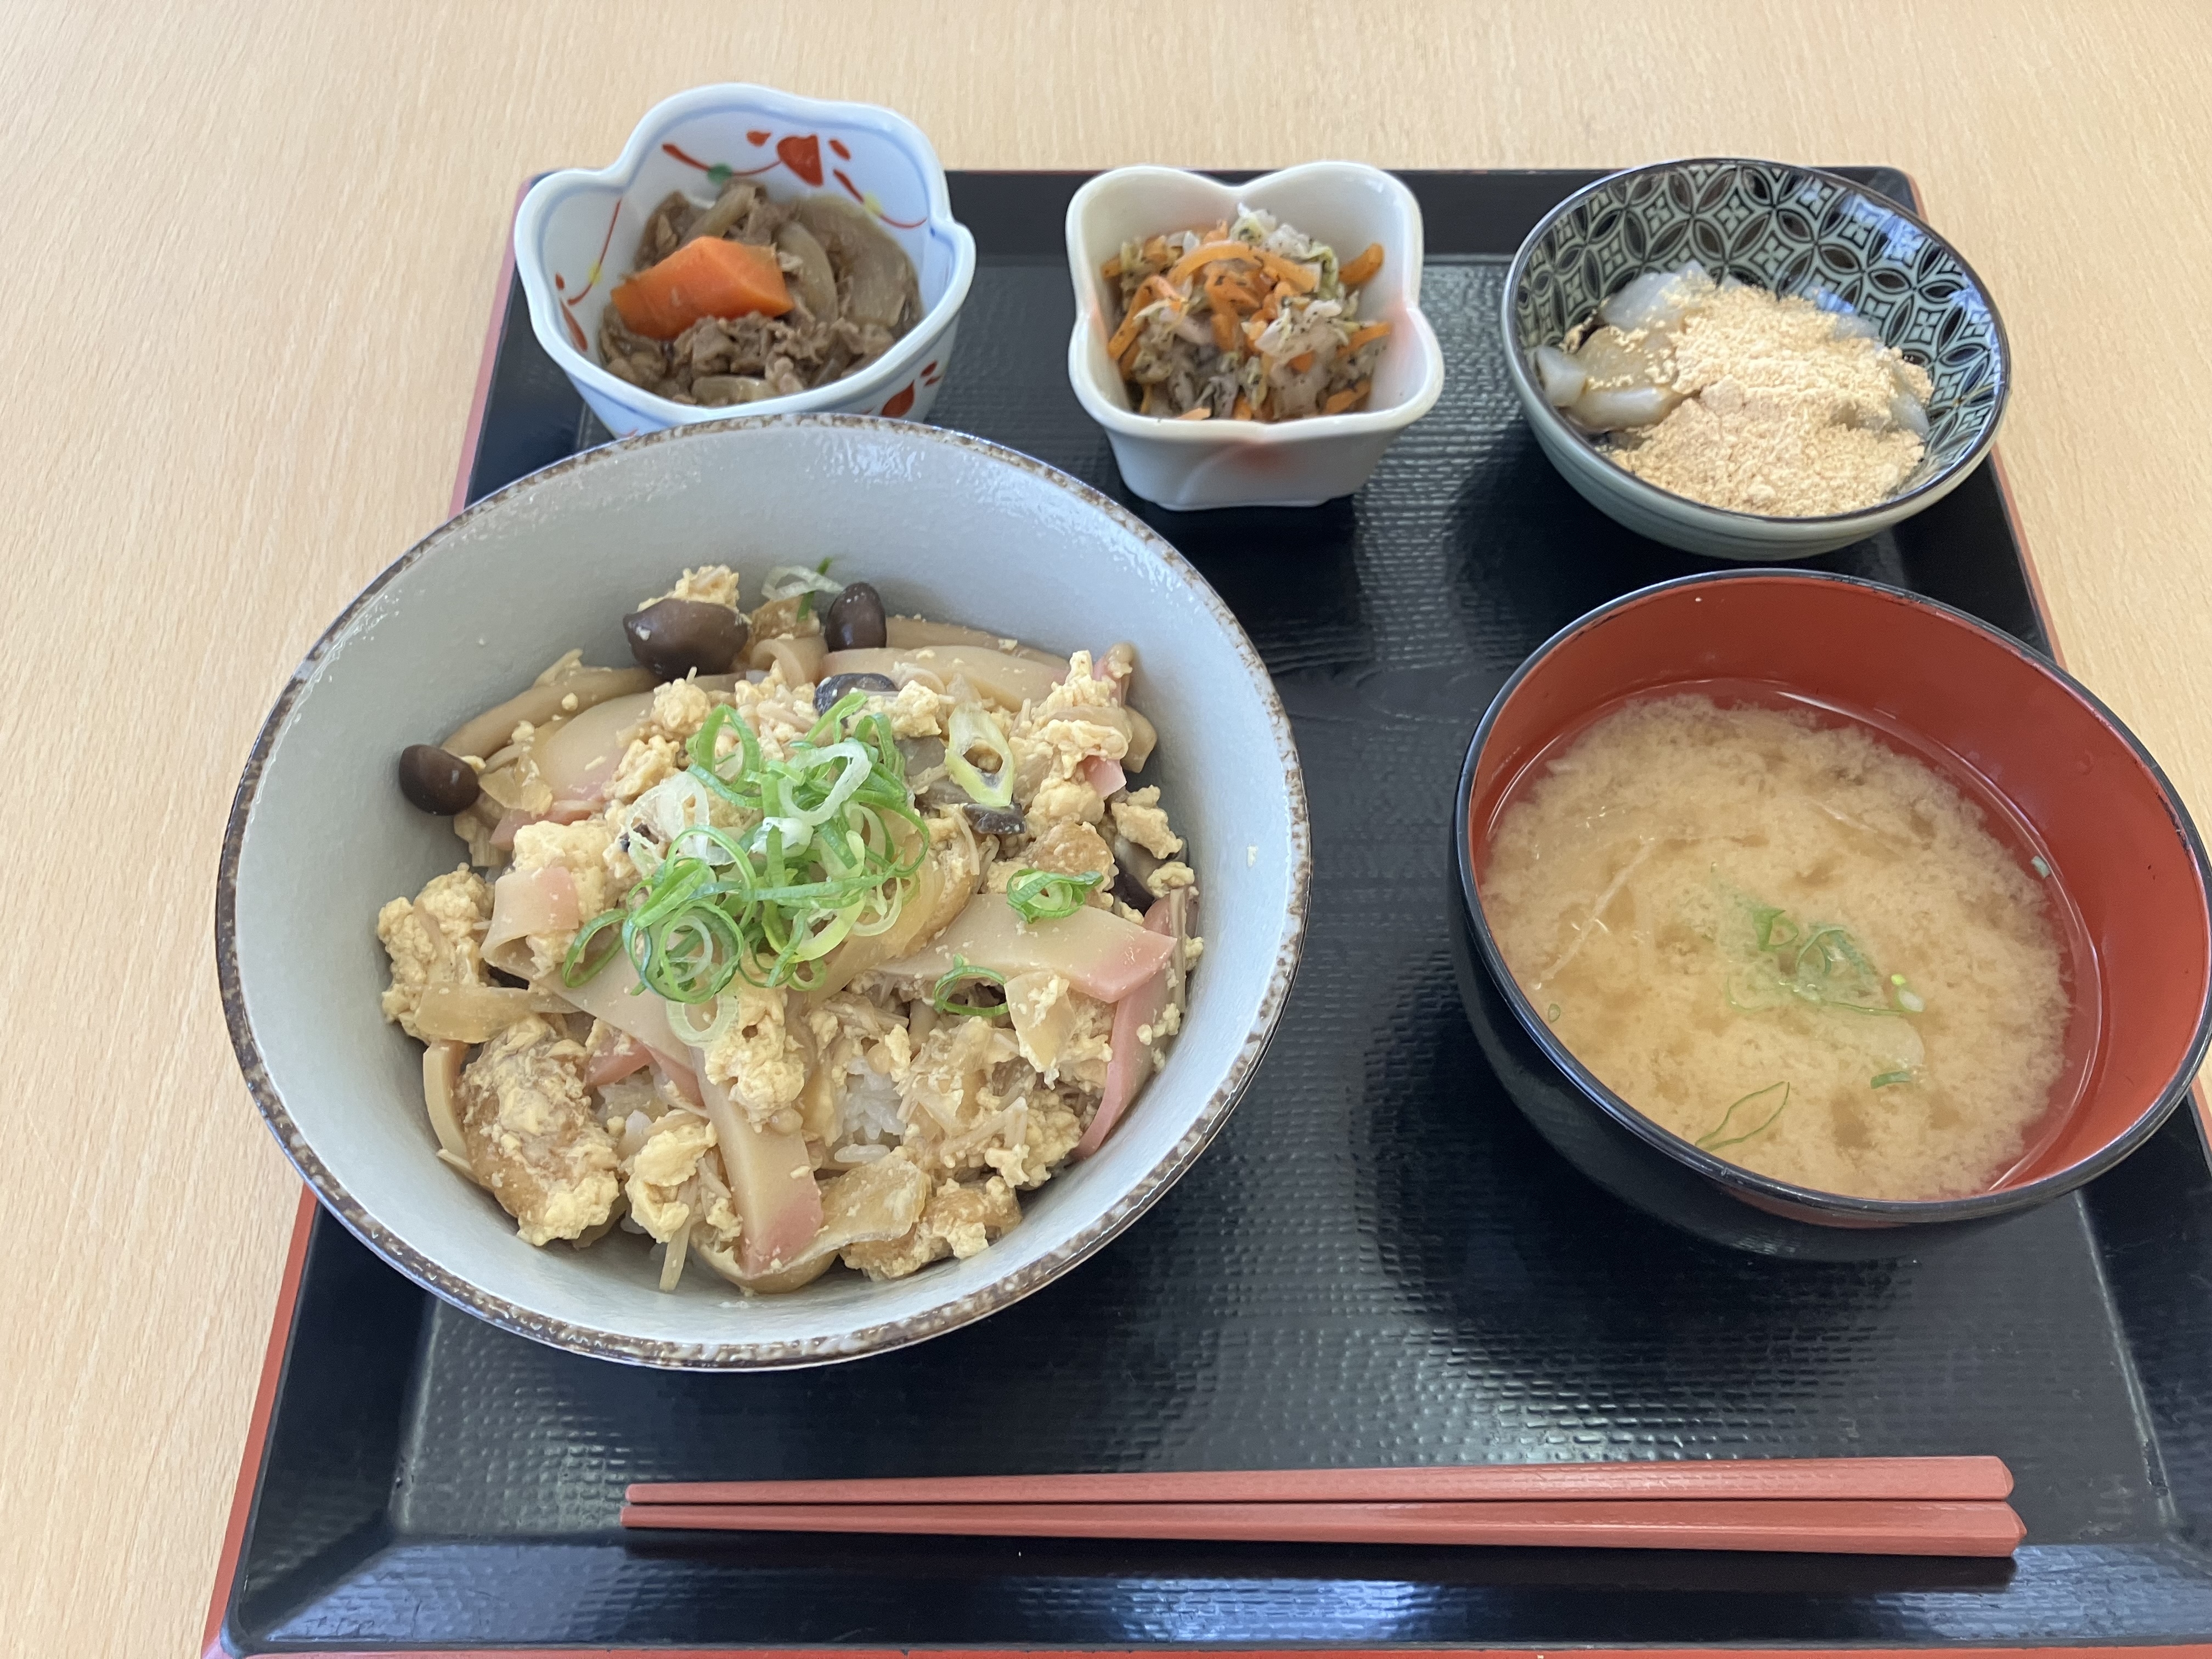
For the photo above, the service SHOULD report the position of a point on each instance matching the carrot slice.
(1213, 253)
(1361, 337)
(1369, 262)
(1112, 269)
(1302, 362)
(1244, 410)
(1155, 251)
(1337, 402)
(1289, 272)
(1225, 335)
(710, 277)
(1201, 413)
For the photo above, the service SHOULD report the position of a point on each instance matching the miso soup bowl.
(1973, 702)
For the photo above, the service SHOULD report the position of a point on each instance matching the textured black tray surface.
(1377, 1262)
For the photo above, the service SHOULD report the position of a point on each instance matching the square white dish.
(1188, 465)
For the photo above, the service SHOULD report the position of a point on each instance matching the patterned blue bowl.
(1792, 230)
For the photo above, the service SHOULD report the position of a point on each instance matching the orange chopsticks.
(1861, 1506)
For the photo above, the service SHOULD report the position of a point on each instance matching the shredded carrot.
(1369, 262)
(1201, 413)
(1253, 331)
(1337, 402)
(1210, 253)
(1129, 364)
(1224, 293)
(1125, 337)
(1155, 251)
(1244, 410)
(1302, 362)
(1272, 307)
(1111, 271)
(1289, 271)
(1225, 335)
(1361, 337)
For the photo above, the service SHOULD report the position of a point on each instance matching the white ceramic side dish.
(944, 524)
(1206, 463)
(576, 231)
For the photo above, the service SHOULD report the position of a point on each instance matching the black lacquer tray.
(1378, 1262)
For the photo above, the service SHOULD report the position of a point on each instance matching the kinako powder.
(1785, 411)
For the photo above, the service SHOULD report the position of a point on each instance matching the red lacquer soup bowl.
(2059, 781)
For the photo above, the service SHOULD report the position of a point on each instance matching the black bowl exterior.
(1560, 1089)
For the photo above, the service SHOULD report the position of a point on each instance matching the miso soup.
(1789, 943)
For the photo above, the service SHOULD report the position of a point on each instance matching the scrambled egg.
(532, 1137)
(758, 1058)
(959, 1220)
(459, 902)
(709, 583)
(1138, 816)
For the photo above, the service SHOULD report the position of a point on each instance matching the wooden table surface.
(263, 243)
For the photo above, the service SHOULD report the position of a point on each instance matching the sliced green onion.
(973, 726)
(964, 972)
(1888, 1077)
(1713, 1142)
(1047, 895)
(809, 852)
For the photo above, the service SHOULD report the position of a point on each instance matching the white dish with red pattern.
(577, 231)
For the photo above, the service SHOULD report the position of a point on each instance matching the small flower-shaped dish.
(1790, 229)
(1200, 464)
(577, 231)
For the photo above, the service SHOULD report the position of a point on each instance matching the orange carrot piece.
(1128, 360)
(1155, 251)
(1244, 410)
(1289, 272)
(710, 277)
(1369, 262)
(1361, 337)
(1111, 271)
(1212, 254)
(1337, 402)
(1302, 362)
(1201, 413)
(1225, 335)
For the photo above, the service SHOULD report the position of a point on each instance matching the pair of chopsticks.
(1848, 1506)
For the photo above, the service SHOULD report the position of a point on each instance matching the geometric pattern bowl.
(1794, 230)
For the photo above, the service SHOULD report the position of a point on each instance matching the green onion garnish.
(964, 972)
(1713, 1143)
(1819, 963)
(975, 727)
(814, 854)
(1047, 895)
(1888, 1077)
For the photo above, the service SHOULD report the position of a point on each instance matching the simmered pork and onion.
(748, 298)
(817, 938)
